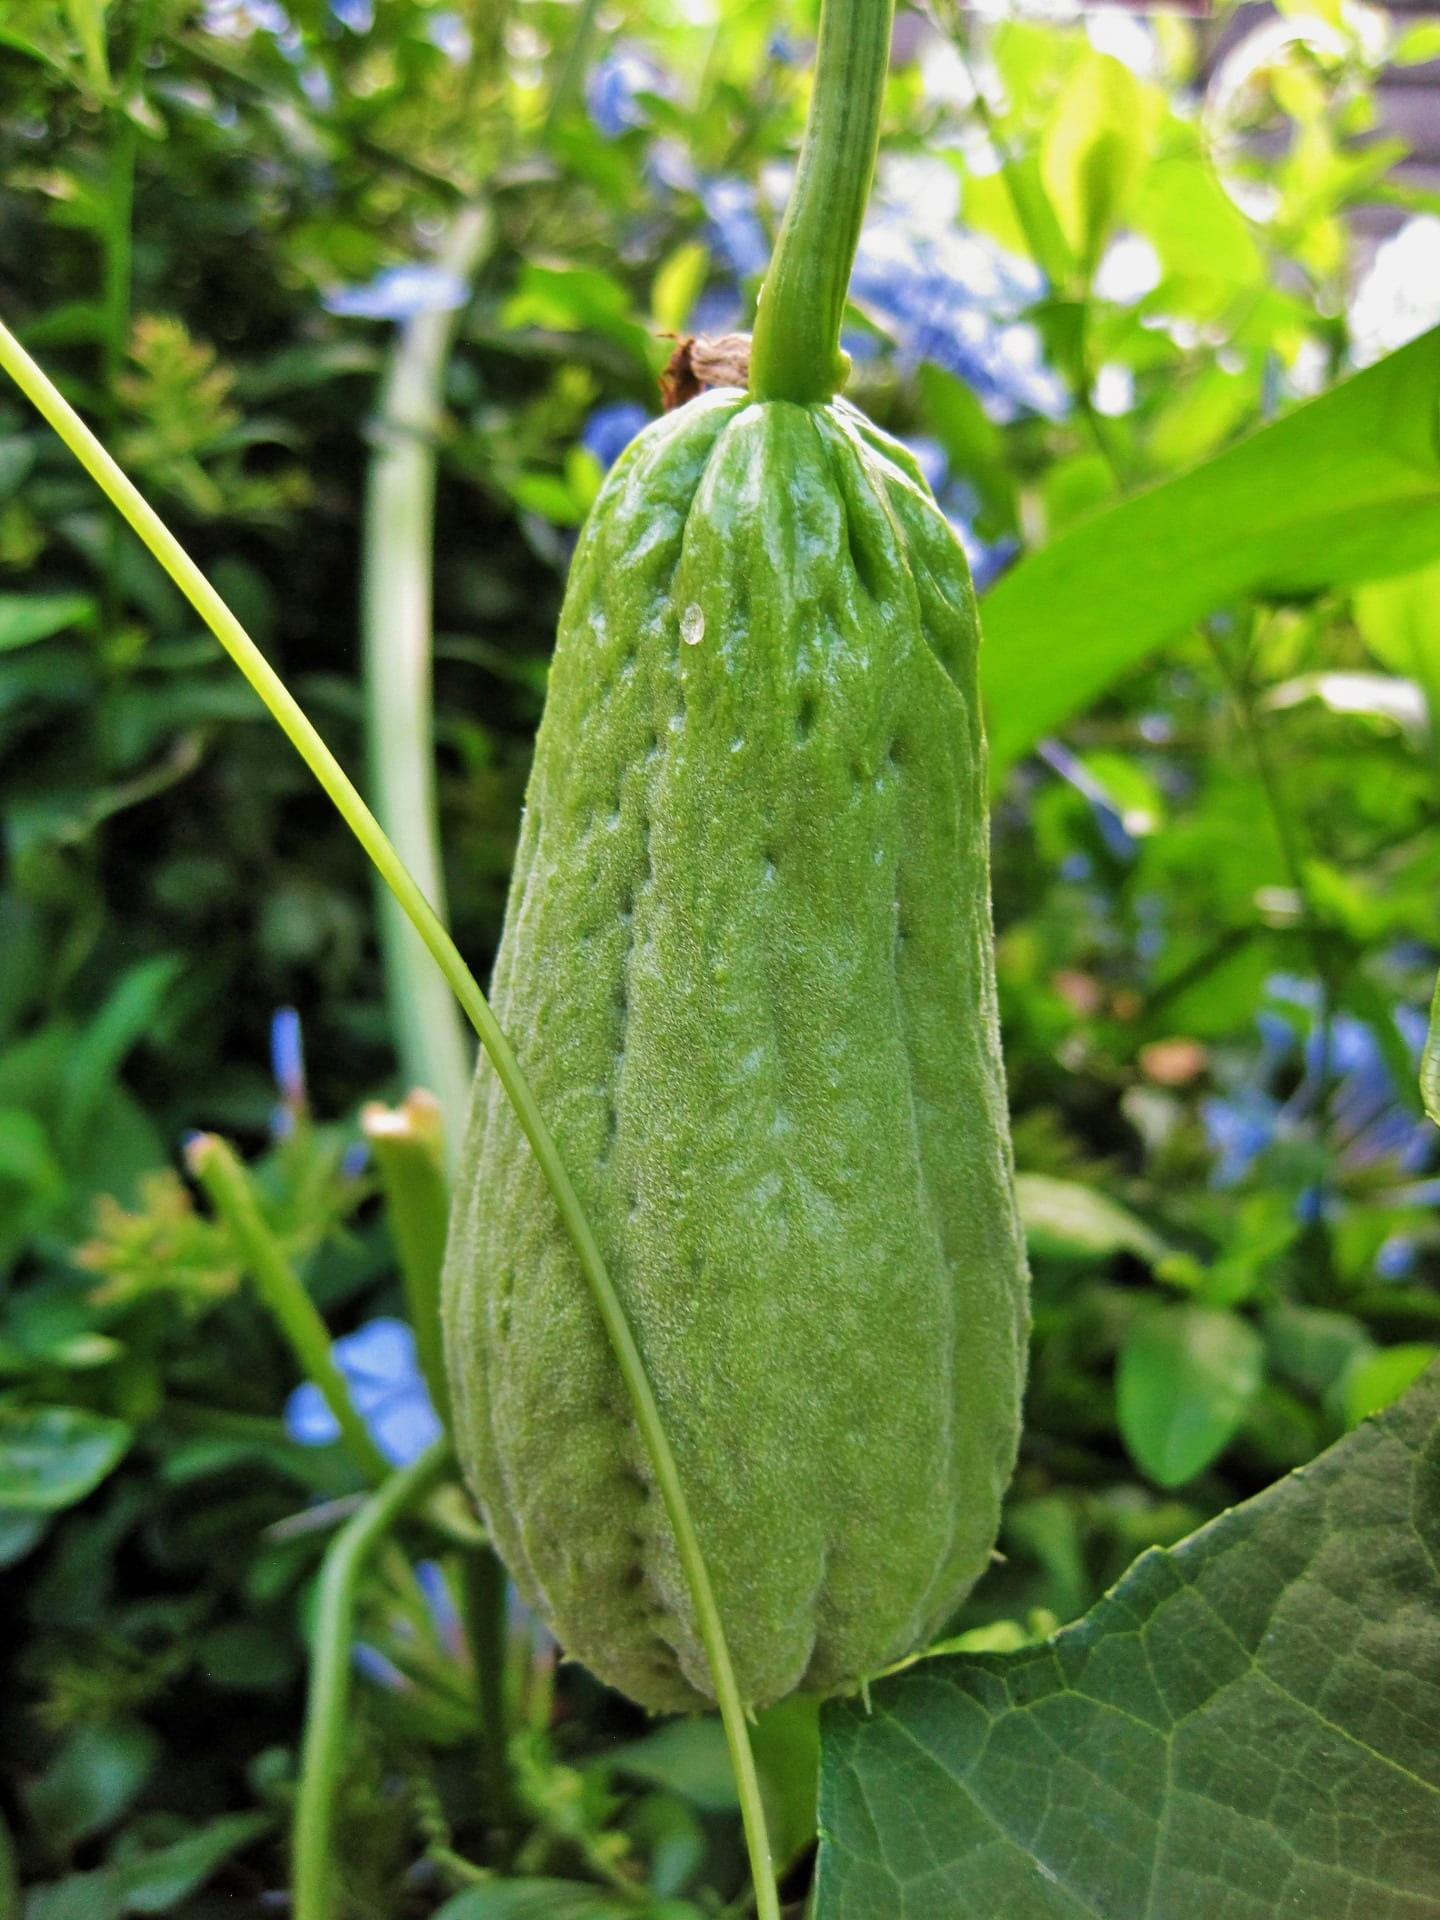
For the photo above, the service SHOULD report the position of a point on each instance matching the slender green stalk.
(406, 1142)
(11, 1898)
(796, 353)
(322, 1756)
(363, 824)
(485, 1609)
(573, 65)
(396, 604)
(232, 1195)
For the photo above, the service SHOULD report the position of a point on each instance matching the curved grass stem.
(363, 824)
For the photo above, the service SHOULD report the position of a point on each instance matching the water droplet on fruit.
(692, 625)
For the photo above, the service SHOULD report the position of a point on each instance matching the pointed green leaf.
(1344, 489)
(1065, 1217)
(50, 1457)
(1187, 1375)
(28, 617)
(1248, 1725)
(1430, 1062)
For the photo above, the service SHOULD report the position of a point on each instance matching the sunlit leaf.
(1346, 488)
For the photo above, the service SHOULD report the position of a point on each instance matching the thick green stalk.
(795, 354)
(322, 1758)
(396, 595)
(301, 733)
(485, 1610)
(232, 1195)
(407, 1144)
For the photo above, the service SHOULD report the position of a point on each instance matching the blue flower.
(612, 89)
(380, 1368)
(952, 299)
(449, 33)
(735, 228)
(357, 15)
(287, 1063)
(399, 292)
(1238, 1129)
(988, 558)
(931, 458)
(611, 428)
(1396, 1257)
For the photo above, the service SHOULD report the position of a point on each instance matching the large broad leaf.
(1247, 1726)
(1345, 488)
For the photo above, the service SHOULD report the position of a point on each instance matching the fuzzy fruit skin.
(747, 966)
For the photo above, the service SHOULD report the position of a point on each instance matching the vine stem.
(322, 1756)
(299, 730)
(795, 353)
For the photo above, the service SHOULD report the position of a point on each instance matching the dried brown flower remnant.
(698, 363)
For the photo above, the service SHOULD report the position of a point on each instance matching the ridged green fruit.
(747, 966)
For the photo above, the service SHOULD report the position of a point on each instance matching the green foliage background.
(1215, 880)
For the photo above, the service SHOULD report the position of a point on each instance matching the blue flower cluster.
(611, 428)
(953, 298)
(380, 1368)
(1346, 1087)
(960, 504)
(399, 292)
(735, 231)
(613, 88)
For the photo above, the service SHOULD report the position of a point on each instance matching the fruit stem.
(796, 350)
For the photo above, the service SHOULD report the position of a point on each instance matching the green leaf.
(132, 1009)
(1094, 152)
(1430, 1062)
(1244, 1727)
(156, 1882)
(87, 21)
(1399, 621)
(786, 1743)
(535, 1900)
(1186, 1376)
(1344, 489)
(50, 1457)
(19, 1534)
(679, 282)
(688, 1757)
(92, 1782)
(1379, 1379)
(577, 300)
(28, 617)
(1063, 1217)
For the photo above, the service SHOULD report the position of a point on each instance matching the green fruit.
(747, 966)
